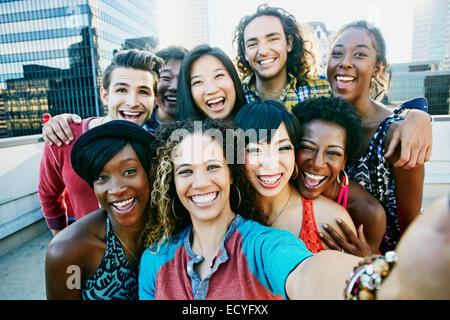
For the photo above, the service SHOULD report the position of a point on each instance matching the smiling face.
(266, 48)
(130, 95)
(352, 64)
(166, 99)
(320, 158)
(269, 166)
(202, 178)
(122, 188)
(212, 87)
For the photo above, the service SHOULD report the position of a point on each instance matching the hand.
(357, 246)
(57, 130)
(423, 263)
(415, 135)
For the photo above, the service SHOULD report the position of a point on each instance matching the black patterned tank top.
(373, 173)
(114, 279)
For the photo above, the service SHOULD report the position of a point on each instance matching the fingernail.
(339, 220)
(325, 226)
(67, 141)
(58, 144)
(320, 235)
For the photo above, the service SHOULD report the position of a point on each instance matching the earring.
(345, 181)
(239, 195)
(173, 210)
(295, 173)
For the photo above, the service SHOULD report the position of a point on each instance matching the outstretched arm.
(421, 271)
(423, 265)
(57, 130)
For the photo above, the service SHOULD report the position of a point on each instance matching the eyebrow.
(206, 162)
(119, 84)
(284, 140)
(314, 143)
(165, 70)
(129, 159)
(215, 70)
(358, 46)
(267, 35)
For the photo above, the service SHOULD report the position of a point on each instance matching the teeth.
(171, 98)
(123, 203)
(204, 198)
(263, 62)
(314, 176)
(215, 100)
(270, 180)
(132, 114)
(342, 78)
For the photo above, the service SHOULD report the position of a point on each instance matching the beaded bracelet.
(367, 276)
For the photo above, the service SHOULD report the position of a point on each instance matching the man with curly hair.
(274, 60)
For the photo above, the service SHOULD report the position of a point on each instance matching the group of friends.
(203, 181)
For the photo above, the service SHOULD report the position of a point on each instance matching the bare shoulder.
(327, 211)
(361, 201)
(74, 244)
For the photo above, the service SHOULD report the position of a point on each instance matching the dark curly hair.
(380, 85)
(298, 60)
(164, 225)
(337, 111)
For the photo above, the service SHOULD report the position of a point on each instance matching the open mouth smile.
(313, 180)
(343, 82)
(171, 99)
(216, 104)
(270, 181)
(124, 206)
(266, 61)
(204, 200)
(131, 116)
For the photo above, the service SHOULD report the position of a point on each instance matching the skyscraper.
(431, 34)
(52, 53)
(192, 16)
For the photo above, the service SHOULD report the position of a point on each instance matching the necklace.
(123, 243)
(284, 207)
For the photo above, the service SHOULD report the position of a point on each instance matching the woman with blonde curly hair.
(172, 216)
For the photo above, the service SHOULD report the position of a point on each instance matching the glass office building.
(52, 53)
(421, 79)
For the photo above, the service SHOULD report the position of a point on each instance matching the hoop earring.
(239, 195)
(345, 181)
(173, 210)
(295, 173)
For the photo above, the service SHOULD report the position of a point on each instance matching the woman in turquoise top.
(97, 257)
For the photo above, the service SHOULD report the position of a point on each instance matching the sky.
(393, 17)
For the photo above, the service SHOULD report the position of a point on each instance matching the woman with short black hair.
(97, 257)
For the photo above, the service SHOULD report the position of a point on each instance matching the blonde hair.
(163, 224)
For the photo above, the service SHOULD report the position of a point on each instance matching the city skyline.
(225, 16)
